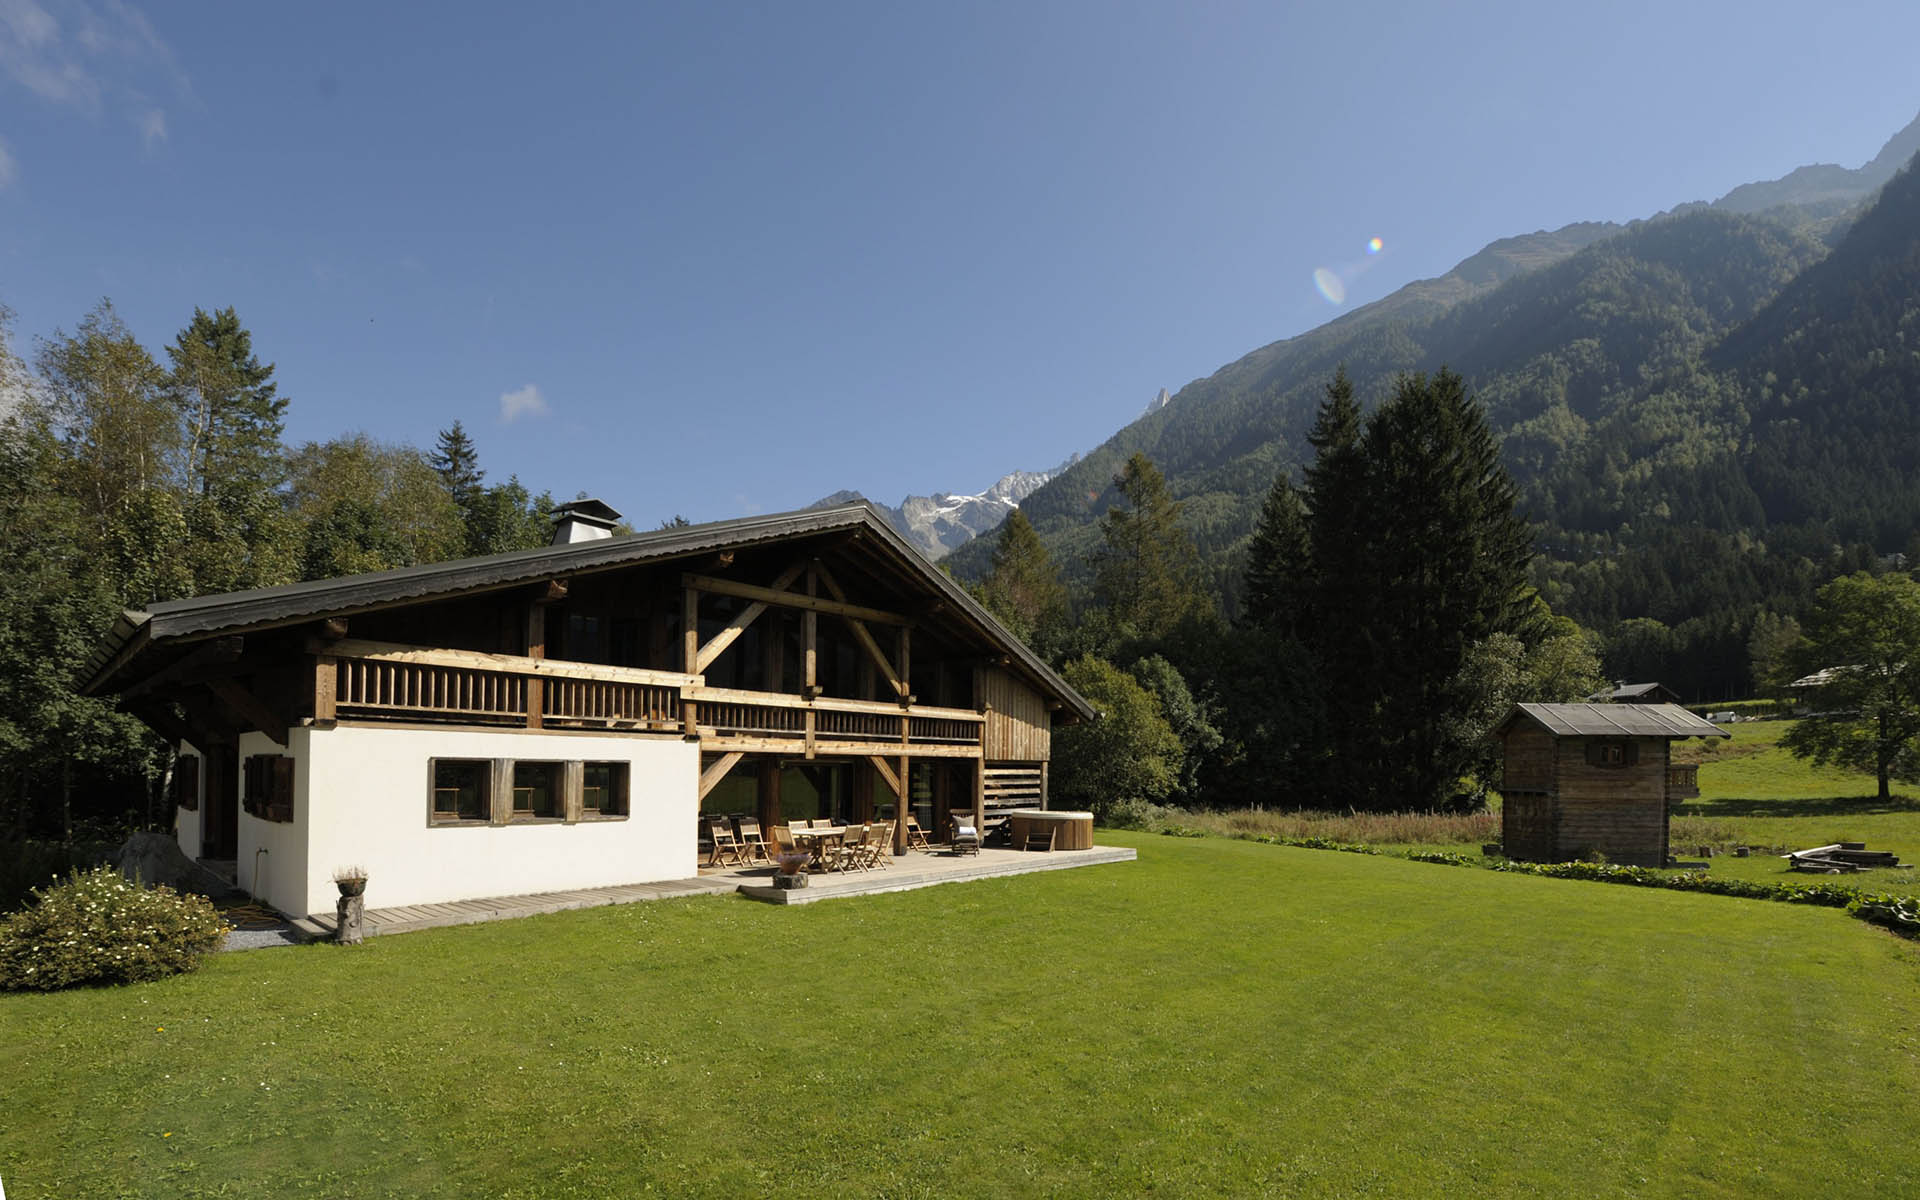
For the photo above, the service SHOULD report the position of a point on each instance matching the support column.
(690, 660)
(863, 774)
(980, 795)
(536, 648)
(905, 806)
(768, 794)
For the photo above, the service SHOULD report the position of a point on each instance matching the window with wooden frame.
(1611, 753)
(462, 791)
(186, 782)
(539, 791)
(268, 792)
(603, 789)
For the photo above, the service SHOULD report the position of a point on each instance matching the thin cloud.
(522, 402)
(9, 169)
(91, 56)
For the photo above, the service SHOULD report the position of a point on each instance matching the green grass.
(1754, 793)
(1220, 1017)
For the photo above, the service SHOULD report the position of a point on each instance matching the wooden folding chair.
(753, 847)
(726, 848)
(880, 845)
(916, 836)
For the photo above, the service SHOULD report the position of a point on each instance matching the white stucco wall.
(272, 864)
(186, 824)
(361, 798)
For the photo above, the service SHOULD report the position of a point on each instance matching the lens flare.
(1331, 286)
(1375, 245)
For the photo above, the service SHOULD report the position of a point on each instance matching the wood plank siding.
(1018, 727)
(1618, 811)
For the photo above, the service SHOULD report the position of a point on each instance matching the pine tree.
(1023, 587)
(1451, 557)
(1278, 565)
(1145, 571)
(458, 463)
(230, 405)
(1342, 582)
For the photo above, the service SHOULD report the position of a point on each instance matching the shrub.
(97, 928)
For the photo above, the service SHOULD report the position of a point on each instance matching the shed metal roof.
(266, 608)
(1615, 720)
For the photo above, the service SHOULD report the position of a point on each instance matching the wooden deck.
(916, 870)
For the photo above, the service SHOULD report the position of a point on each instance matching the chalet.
(1623, 692)
(1581, 779)
(558, 718)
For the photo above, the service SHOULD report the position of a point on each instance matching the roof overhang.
(183, 621)
(1612, 720)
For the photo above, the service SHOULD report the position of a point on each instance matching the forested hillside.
(1708, 414)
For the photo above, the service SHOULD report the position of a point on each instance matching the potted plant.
(791, 869)
(352, 881)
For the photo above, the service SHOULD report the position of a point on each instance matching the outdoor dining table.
(817, 839)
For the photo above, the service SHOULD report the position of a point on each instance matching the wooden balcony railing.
(734, 720)
(1683, 781)
(377, 680)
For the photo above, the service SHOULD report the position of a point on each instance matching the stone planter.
(351, 887)
(789, 882)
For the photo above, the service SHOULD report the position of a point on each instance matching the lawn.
(1220, 1017)
(1752, 792)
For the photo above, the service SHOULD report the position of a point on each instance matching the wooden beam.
(476, 660)
(217, 657)
(810, 643)
(155, 716)
(906, 665)
(326, 681)
(885, 770)
(833, 608)
(718, 644)
(711, 777)
(249, 708)
(690, 653)
(553, 593)
(333, 628)
(767, 792)
(715, 743)
(862, 634)
(903, 807)
(537, 649)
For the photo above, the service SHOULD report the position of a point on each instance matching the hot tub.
(1071, 830)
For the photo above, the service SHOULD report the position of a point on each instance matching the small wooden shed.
(1587, 778)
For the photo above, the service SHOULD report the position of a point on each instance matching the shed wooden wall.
(1018, 726)
(1619, 811)
(1528, 759)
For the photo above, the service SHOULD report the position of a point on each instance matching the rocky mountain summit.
(939, 523)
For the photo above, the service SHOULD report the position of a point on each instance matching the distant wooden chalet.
(557, 718)
(1581, 779)
(1623, 692)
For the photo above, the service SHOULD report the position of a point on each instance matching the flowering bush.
(95, 927)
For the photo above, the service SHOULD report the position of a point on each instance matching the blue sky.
(717, 259)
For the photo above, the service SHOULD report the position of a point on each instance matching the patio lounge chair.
(966, 835)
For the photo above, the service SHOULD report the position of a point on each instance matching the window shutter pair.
(1601, 753)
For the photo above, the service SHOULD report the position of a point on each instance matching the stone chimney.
(582, 521)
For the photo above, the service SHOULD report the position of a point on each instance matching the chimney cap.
(584, 520)
(590, 509)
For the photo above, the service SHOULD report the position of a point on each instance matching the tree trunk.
(1882, 758)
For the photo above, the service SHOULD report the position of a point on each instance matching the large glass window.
(461, 787)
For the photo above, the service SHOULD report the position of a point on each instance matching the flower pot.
(351, 887)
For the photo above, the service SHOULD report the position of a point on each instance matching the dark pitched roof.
(1614, 720)
(266, 608)
(1630, 692)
